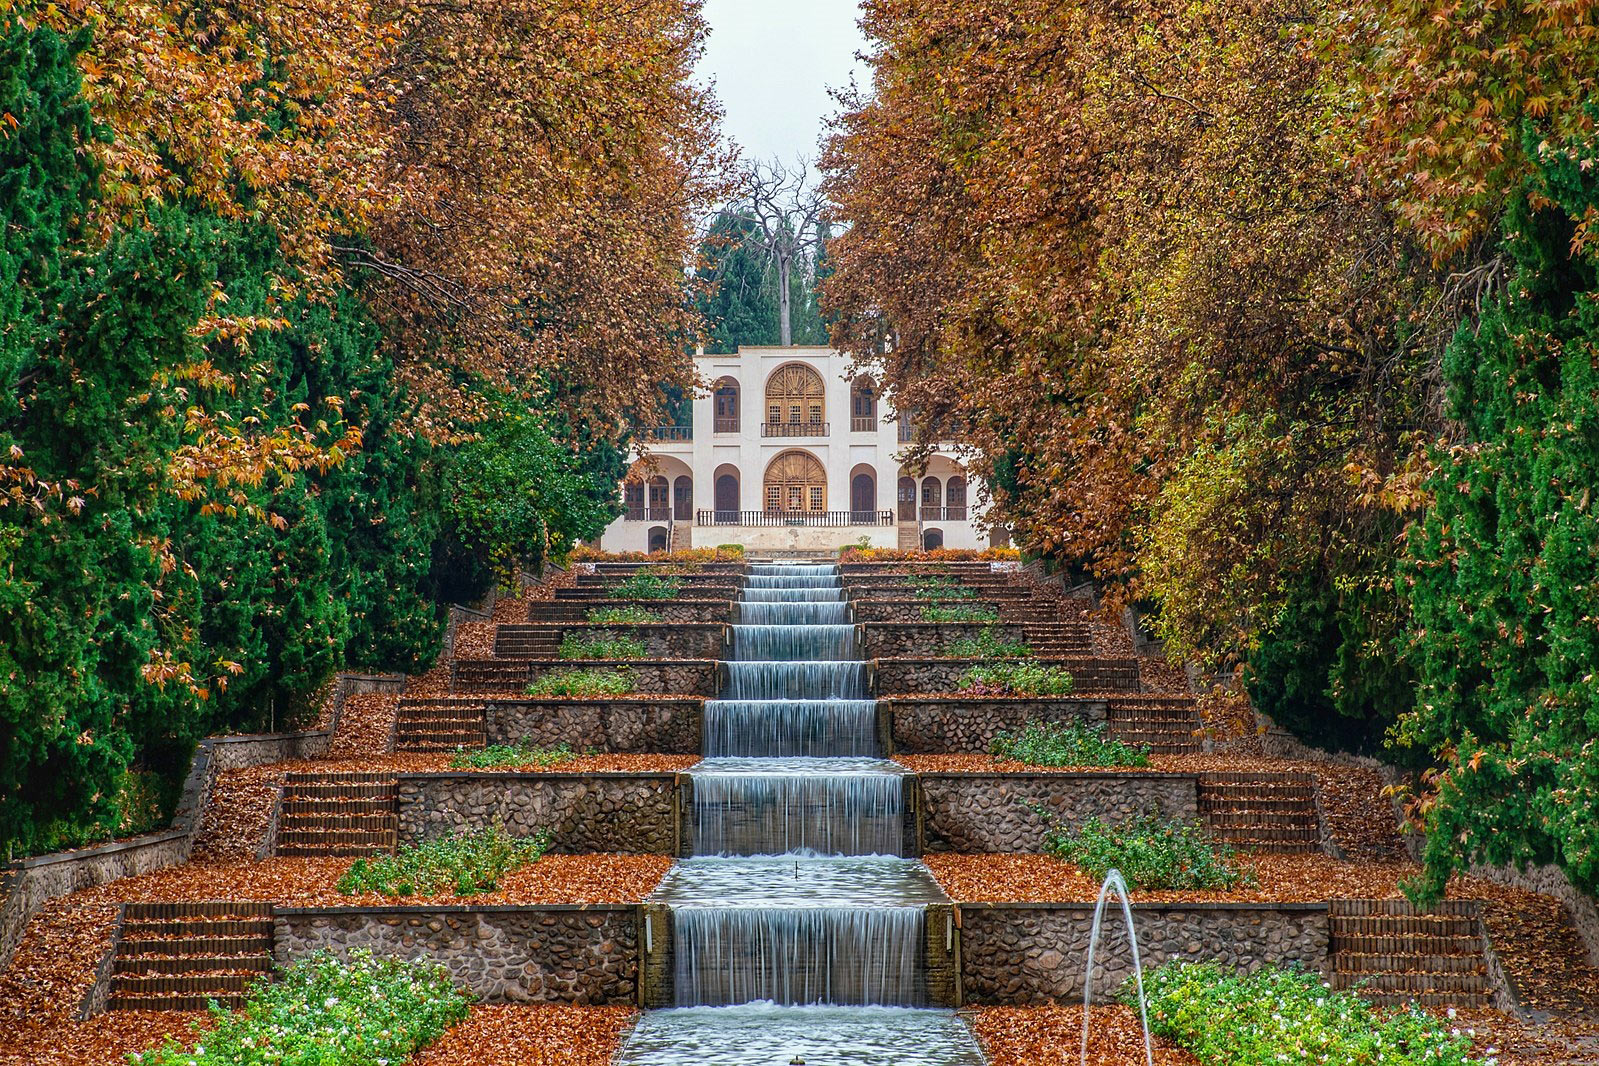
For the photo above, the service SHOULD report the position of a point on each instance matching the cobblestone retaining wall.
(1021, 953)
(591, 812)
(916, 640)
(661, 640)
(996, 813)
(941, 725)
(901, 677)
(579, 955)
(659, 725)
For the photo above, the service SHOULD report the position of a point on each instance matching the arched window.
(795, 397)
(660, 499)
(683, 499)
(932, 539)
(955, 498)
(726, 397)
(863, 406)
(863, 495)
(795, 481)
(907, 499)
(932, 500)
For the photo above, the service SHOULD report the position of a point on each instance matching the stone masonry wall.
(899, 677)
(592, 812)
(915, 640)
(577, 955)
(659, 725)
(1013, 954)
(995, 813)
(942, 725)
(661, 640)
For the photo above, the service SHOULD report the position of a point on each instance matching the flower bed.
(470, 864)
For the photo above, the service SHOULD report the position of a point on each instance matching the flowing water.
(799, 933)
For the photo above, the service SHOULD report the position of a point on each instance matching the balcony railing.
(647, 514)
(725, 425)
(862, 424)
(942, 434)
(794, 518)
(793, 429)
(666, 433)
(943, 514)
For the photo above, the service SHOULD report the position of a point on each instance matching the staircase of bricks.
(1395, 955)
(1168, 725)
(1261, 812)
(177, 956)
(337, 814)
(435, 725)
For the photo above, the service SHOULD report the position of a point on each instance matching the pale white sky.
(773, 62)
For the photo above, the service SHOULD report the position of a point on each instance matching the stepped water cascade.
(799, 933)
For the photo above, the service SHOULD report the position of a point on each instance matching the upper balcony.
(665, 434)
(794, 429)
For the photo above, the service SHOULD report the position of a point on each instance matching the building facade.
(790, 452)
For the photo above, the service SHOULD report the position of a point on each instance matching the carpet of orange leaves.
(532, 1036)
(1052, 1036)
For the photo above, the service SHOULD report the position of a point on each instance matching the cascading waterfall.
(812, 729)
(798, 806)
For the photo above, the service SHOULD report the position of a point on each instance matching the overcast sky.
(773, 62)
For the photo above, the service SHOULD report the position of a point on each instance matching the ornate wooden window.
(796, 481)
(726, 415)
(795, 396)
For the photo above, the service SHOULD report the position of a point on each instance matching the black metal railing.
(793, 429)
(794, 518)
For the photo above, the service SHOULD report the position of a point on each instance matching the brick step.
(348, 780)
(337, 829)
(257, 962)
(1402, 925)
(1463, 1000)
(220, 908)
(1402, 908)
(441, 741)
(212, 927)
(182, 984)
(183, 1003)
(1420, 983)
(194, 946)
(1407, 944)
(1356, 963)
(1274, 821)
(438, 727)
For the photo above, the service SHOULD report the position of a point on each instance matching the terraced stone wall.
(1022, 953)
(589, 812)
(586, 955)
(999, 812)
(661, 640)
(700, 677)
(898, 677)
(917, 640)
(950, 725)
(656, 725)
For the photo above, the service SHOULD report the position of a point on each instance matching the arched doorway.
(955, 498)
(795, 482)
(683, 499)
(726, 409)
(932, 499)
(932, 539)
(660, 499)
(725, 495)
(657, 538)
(795, 396)
(863, 495)
(907, 499)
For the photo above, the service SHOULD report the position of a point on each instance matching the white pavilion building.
(790, 453)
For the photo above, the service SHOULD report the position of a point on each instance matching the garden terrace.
(924, 676)
(624, 569)
(667, 677)
(677, 609)
(630, 724)
(661, 640)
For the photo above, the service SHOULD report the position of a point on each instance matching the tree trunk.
(784, 331)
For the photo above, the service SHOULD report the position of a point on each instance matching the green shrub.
(496, 756)
(622, 616)
(1016, 679)
(988, 644)
(471, 863)
(941, 589)
(600, 647)
(364, 1012)
(1149, 852)
(1275, 1015)
(583, 684)
(1070, 744)
(958, 612)
(643, 585)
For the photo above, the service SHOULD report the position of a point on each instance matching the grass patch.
(469, 864)
(498, 756)
(364, 1012)
(988, 644)
(1276, 1015)
(574, 646)
(940, 589)
(958, 612)
(1068, 744)
(644, 585)
(1149, 852)
(583, 684)
(622, 616)
(1016, 679)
